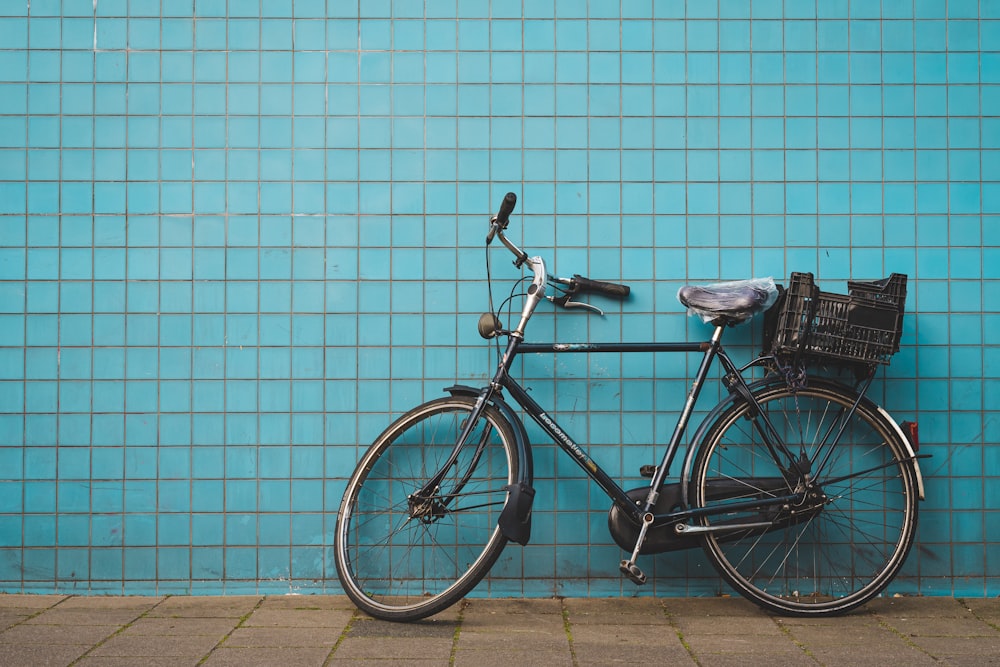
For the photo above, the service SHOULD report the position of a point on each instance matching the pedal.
(647, 471)
(632, 571)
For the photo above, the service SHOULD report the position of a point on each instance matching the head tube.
(536, 292)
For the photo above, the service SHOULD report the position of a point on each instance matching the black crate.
(861, 327)
(889, 291)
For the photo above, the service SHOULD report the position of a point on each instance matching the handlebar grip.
(506, 208)
(614, 290)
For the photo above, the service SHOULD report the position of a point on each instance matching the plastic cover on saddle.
(738, 300)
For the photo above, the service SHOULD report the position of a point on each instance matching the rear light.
(912, 434)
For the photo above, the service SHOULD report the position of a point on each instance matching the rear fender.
(760, 384)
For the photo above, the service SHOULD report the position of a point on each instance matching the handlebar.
(506, 208)
(536, 292)
(614, 290)
(500, 220)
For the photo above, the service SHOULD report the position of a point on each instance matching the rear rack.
(861, 327)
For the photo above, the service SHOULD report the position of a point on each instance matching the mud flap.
(515, 518)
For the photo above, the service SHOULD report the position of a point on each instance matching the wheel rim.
(851, 538)
(396, 561)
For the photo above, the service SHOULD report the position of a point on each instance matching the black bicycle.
(801, 490)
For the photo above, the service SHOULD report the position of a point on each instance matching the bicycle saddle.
(731, 302)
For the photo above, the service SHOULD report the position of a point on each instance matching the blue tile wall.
(237, 237)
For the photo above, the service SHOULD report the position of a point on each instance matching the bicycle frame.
(710, 349)
(639, 512)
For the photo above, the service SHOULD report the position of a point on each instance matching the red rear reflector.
(912, 434)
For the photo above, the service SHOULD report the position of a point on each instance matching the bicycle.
(801, 490)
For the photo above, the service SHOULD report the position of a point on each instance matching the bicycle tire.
(400, 567)
(845, 545)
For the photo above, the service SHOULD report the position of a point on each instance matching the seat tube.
(711, 349)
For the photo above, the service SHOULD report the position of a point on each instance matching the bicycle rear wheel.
(403, 560)
(852, 530)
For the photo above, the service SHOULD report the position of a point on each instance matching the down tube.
(559, 436)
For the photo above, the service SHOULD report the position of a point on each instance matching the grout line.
(458, 632)
(992, 624)
(567, 626)
(680, 635)
(117, 632)
(343, 636)
(885, 625)
(786, 631)
(239, 624)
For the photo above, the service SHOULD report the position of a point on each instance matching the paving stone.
(309, 602)
(282, 637)
(599, 611)
(711, 607)
(217, 627)
(100, 602)
(9, 617)
(987, 609)
(735, 642)
(377, 662)
(830, 635)
(512, 656)
(518, 607)
(235, 606)
(525, 616)
(746, 625)
(34, 602)
(771, 660)
(318, 618)
(496, 641)
(918, 606)
(938, 646)
(855, 620)
(927, 626)
(41, 654)
(625, 635)
(593, 651)
(147, 661)
(392, 648)
(154, 646)
(285, 657)
(83, 616)
(863, 655)
(971, 660)
(57, 634)
(428, 628)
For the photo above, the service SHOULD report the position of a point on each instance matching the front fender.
(515, 518)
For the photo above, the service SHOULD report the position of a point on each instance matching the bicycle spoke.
(841, 549)
(405, 557)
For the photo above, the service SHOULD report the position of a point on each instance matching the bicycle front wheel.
(404, 558)
(854, 524)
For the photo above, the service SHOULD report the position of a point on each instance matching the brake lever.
(566, 301)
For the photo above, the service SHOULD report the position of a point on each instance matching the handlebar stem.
(536, 293)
